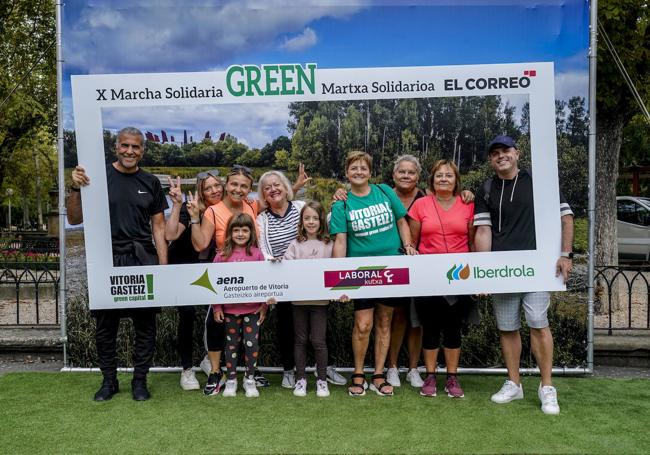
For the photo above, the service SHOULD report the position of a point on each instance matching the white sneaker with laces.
(300, 390)
(231, 388)
(250, 387)
(334, 377)
(413, 377)
(392, 377)
(188, 380)
(321, 389)
(288, 379)
(509, 392)
(548, 396)
(206, 366)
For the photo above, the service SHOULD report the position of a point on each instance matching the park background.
(183, 140)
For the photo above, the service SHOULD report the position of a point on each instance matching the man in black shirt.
(505, 221)
(136, 206)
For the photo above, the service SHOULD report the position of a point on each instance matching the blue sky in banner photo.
(168, 36)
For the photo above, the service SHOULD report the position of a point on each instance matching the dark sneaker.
(139, 390)
(109, 388)
(429, 388)
(452, 387)
(213, 386)
(260, 379)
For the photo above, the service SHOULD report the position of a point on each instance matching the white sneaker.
(548, 396)
(509, 392)
(392, 377)
(206, 366)
(333, 376)
(231, 388)
(188, 380)
(300, 390)
(249, 387)
(321, 389)
(413, 376)
(288, 379)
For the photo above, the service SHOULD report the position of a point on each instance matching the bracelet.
(75, 189)
(195, 222)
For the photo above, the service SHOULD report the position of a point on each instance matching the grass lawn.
(54, 413)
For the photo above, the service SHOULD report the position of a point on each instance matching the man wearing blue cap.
(505, 221)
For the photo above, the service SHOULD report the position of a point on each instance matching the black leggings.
(438, 318)
(214, 336)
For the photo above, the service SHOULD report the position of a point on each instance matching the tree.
(28, 78)
(626, 24)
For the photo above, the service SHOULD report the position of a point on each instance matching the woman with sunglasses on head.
(211, 227)
(209, 191)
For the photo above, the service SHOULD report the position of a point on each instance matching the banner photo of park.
(432, 80)
(379, 91)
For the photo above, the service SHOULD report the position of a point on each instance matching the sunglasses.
(205, 174)
(237, 168)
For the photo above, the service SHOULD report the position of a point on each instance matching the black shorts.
(366, 304)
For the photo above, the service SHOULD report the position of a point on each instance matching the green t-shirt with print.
(370, 222)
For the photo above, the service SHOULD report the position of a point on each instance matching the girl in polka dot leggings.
(242, 320)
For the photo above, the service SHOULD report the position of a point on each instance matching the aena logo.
(459, 272)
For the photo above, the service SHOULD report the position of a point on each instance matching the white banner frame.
(196, 284)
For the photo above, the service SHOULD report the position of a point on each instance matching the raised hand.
(303, 178)
(175, 193)
(193, 205)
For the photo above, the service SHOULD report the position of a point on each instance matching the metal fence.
(29, 281)
(622, 295)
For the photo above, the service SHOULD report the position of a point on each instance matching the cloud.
(303, 41)
(167, 36)
(252, 124)
(572, 83)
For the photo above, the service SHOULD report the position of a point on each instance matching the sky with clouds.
(141, 36)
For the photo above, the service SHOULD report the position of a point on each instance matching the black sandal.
(380, 389)
(354, 386)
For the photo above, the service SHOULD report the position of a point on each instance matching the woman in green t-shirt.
(369, 223)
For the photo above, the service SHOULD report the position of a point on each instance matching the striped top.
(277, 231)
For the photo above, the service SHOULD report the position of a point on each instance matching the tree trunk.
(608, 147)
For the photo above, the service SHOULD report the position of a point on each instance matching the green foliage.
(480, 343)
(321, 190)
(581, 235)
(281, 159)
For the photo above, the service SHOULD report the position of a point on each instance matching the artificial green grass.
(54, 413)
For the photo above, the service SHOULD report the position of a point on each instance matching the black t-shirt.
(181, 250)
(132, 200)
(509, 210)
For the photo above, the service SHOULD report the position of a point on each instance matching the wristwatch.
(195, 222)
(565, 254)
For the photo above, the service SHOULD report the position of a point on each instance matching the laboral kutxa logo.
(463, 272)
(132, 287)
(365, 276)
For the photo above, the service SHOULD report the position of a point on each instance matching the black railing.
(29, 281)
(622, 295)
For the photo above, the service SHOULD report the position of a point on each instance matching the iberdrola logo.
(458, 273)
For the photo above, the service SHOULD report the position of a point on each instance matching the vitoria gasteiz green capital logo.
(132, 287)
(463, 272)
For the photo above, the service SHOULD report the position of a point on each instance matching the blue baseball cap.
(506, 141)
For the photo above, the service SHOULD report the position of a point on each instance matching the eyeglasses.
(238, 168)
(205, 174)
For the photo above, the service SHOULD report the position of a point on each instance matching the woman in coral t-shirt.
(442, 223)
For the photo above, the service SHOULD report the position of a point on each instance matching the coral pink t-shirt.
(442, 231)
(239, 255)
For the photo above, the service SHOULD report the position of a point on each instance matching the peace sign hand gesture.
(303, 178)
(193, 205)
(175, 193)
